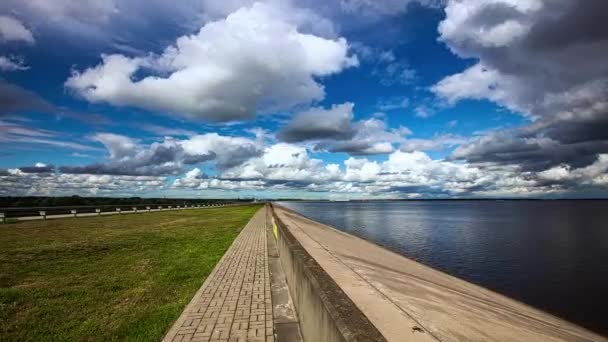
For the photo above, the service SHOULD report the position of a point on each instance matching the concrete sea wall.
(325, 312)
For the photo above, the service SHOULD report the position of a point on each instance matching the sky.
(312, 99)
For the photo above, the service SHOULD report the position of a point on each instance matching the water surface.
(550, 254)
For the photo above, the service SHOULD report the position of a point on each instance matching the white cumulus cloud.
(256, 59)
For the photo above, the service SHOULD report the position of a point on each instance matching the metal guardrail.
(43, 213)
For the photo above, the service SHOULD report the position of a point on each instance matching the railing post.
(43, 214)
(73, 212)
(98, 211)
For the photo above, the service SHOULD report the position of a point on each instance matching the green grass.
(123, 278)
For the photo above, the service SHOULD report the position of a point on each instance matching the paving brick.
(234, 304)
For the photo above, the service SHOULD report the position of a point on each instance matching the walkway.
(234, 303)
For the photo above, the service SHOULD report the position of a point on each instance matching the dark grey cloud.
(198, 158)
(530, 153)
(121, 168)
(548, 62)
(355, 148)
(551, 141)
(38, 169)
(14, 99)
(294, 184)
(334, 130)
(159, 159)
(17, 100)
(352, 147)
(128, 157)
(237, 156)
(318, 123)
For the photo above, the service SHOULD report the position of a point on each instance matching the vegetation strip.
(109, 278)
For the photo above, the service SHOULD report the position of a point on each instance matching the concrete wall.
(325, 312)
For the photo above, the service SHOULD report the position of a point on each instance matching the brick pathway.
(234, 303)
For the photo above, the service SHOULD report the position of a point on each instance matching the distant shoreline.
(443, 199)
(7, 202)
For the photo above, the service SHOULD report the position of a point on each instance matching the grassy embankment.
(118, 278)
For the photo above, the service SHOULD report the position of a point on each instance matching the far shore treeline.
(44, 201)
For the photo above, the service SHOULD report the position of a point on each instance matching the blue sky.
(339, 100)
